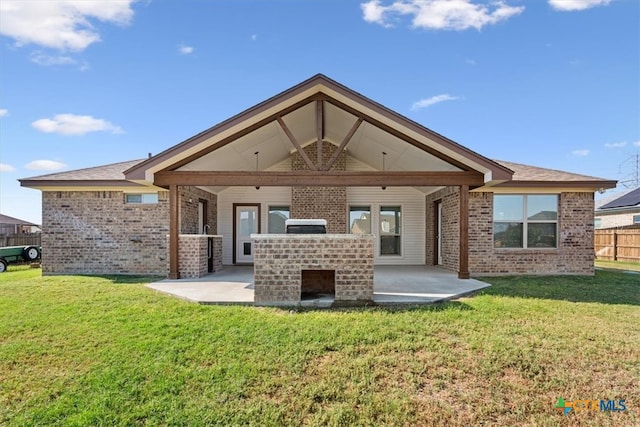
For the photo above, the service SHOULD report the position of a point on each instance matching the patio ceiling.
(318, 110)
(270, 141)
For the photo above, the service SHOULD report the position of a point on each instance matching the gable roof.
(629, 199)
(259, 129)
(317, 110)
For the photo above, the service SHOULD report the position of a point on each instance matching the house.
(317, 150)
(622, 210)
(11, 225)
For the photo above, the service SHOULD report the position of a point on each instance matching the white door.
(439, 233)
(246, 224)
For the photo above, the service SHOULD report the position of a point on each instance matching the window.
(277, 217)
(636, 219)
(360, 219)
(390, 230)
(141, 198)
(537, 229)
(597, 222)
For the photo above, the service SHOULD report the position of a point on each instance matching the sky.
(550, 83)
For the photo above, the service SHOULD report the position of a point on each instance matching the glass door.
(246, 224)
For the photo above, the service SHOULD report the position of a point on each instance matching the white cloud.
(637, 143)
(47, 60)
(3, 112)
(6, 168)
(185, 50)
(580, 153)
(254, 37)
(72, 124)
(470, 61)
(440, 14)
(427, 102)
(616, 144)
(569, 5)
(45, 165)
(60, 24)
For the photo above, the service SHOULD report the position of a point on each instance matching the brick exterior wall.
(328, 203)
(279, 260)
(95, 232)
(574, 254)
(450, 198)
(193, 256)
(189, 210)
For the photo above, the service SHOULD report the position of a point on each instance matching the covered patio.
(393, 285)
(320, 149)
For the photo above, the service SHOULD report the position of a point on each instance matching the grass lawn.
(108, 351)
(619, 265)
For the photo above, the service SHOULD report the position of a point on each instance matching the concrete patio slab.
(393, 285)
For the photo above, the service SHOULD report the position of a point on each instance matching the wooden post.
(615, 245)
(463, 271)
(174, 203)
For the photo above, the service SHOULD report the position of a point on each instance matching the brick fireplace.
(290, 266)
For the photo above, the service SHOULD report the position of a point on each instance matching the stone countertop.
(311, 236)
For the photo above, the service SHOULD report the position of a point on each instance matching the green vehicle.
(17, 253)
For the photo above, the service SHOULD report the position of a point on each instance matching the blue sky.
(551, 83)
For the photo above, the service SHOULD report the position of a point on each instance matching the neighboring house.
(10, 225)
(621, 211)
(318, 150)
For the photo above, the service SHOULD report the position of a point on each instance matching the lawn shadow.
(122, 279)
(438, 306)
(606, 287)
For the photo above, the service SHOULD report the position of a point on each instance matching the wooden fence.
(24, 239)
(618, 245)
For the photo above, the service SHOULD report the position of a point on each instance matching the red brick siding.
(189, 210)
(328, 203)
(95, 232)
(574, 255)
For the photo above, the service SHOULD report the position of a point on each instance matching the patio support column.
(463, 270)
(174, 203)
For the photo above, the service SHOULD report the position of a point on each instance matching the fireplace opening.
(317, 283)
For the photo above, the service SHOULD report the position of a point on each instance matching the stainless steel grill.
(306, 226)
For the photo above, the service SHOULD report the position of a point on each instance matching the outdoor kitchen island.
(288, 268)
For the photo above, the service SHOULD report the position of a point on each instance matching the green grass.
(618, 265)
(108, 351)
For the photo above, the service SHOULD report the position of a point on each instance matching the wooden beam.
(344, 143)
(463, 221)
(174, 203)
(296, 144)
(318, 178)
(397, 133)
(319, 131)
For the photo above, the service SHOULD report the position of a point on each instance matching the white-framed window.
(525, 221)
(597, 223)
(636, 219)
(360, 219)
(276, 220)
(145, 198)
(390, 229)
